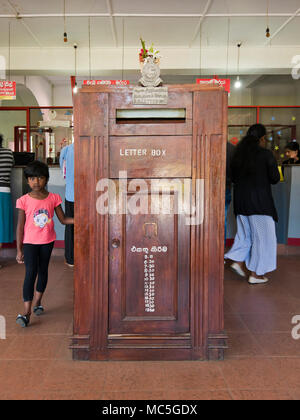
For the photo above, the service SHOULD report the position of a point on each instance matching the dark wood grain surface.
(117, 315)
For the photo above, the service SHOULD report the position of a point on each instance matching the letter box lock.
(145, 225)
(115, 243)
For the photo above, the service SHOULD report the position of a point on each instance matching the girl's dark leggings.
(36, 259)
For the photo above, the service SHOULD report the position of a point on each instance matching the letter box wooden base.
(149, 272)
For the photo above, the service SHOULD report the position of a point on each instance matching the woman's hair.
(36, 169)
(257, 130)
(1, 140)
(243, 161)
(294, 146)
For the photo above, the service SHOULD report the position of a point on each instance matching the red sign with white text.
(225, 83)
(7, 90)
(106, 82)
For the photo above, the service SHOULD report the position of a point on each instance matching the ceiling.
(166, 23)
(181, 30)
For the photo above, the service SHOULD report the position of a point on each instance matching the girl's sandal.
(22, 320)
(38, 310)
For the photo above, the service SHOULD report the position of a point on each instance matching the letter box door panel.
(149, 269)
(151, 156)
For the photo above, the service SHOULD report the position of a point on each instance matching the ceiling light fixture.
(238, 83)
(65, 32)
(268, 29)
(75, 88)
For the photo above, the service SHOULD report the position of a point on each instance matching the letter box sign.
(225, 83)
(7, 90)
(106, 82)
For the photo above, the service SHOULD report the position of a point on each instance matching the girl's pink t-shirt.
(39, 225)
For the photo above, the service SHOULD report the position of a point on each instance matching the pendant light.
(65, 31)
(238, 83)
(75, 89)
(268, 29)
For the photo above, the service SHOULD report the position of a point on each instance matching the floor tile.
(19, 376)
(288, 370)
(34, 347)
(278, 344)
(251, 374)
(197, 395)
(243, 345)
(262, 362)
(71, 376)
(268, 322)
(134, 376)
(193, 376)
(261, 395)
(132, 395)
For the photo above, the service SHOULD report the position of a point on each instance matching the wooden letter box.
(148, 269)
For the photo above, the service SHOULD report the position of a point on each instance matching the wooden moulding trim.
(148, 346)
(80, 342)
(217, 341)
(149, 337)
(150, 354)
(129, 89)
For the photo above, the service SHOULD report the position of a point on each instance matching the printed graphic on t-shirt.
(41, 218)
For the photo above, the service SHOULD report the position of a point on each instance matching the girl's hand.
(20, 257)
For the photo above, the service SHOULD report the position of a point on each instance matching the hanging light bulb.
(65, 31)
(75, 88)
(268, 28)
(238, 83)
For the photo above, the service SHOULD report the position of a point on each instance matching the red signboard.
(225, 83)
(7, 90)
(106, 82)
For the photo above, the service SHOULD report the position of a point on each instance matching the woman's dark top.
(291, 162)
(252, 191)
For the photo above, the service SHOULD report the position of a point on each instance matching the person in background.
(66, 161)
(230, 149)
(36, 236)
(254, 169)
(6, 210)
(292, 153)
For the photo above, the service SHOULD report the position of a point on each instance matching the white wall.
(41, 88)
(275, 93)
(62, 95)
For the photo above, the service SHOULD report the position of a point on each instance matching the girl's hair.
(257, 130)
(294, 146)
(1, 140)
(243, 161)
(36, 169)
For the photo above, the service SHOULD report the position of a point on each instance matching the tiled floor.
(262, 362)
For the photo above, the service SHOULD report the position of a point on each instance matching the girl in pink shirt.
(36, 236)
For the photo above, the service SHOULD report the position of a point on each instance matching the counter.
(286, 196)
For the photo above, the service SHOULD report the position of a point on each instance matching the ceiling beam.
(283, 26)
(198, 28)
(146, 15)
(112, 22)
(17, 17)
